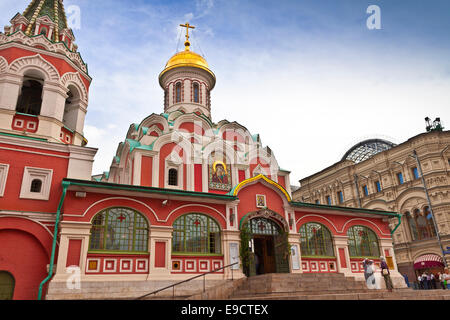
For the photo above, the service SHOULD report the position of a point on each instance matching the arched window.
(316, 240)
(196, 233)
(178, 92)
(196, 93)
(412, 226)
(264, 226)
(119, 229)
(431, 228)
(173, 177)
(362, 242)
(36, 186)
(44, 31)
(71, 108)
(30, 99)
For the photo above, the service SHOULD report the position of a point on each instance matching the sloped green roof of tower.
(48, 9)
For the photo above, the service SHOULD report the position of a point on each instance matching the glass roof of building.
(367, 149)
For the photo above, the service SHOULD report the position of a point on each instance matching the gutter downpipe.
(399, 217)
(65, 185)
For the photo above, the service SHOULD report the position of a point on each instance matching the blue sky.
(307, 75)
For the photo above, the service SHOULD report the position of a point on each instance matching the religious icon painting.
(219, 176)
(261, 201)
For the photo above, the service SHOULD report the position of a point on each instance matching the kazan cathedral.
(184, 195)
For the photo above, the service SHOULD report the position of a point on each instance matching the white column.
(160, 234)
(9, 91)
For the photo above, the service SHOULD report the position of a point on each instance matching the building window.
(4, 168)
(340, 196)
(36, 186)
(329, 200)
(362, 242)
(44, 31)
(173, 177)
(415, 173)
(30, 99)
(365, 190)
(196, 233)
(178, 92)
(119, 229)
(316, 240)
(378, 186)
(421, 224)
(196, 93)
(400, 178)
(412, 226)
(36, 183)
(317, 201)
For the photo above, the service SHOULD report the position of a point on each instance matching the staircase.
(324, 286)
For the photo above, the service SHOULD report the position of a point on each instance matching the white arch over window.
(3, 65)
(21, 65)
(73, 78)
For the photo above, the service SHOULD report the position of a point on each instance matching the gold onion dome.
(187, 58)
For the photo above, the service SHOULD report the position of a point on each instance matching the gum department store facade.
(179, 195)
(377, 174)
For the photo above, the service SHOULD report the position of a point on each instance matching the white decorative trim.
(106, 261)
(145, 261)
(95, 270)
(116, 198)
(130, 269)
(34, 62)
(4, 168)
(194, 205)
(200, 269)
(3, 65)
(29, 174)
(74, 78)
(381, 232)
(316, 215)
(186, 263)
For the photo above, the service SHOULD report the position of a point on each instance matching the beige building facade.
(377, 174)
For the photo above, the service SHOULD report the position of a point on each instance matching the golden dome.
(187, 58)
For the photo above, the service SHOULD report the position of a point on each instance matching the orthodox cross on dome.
(187, 26)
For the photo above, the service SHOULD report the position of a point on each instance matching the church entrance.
(269, 247)
(6, 286)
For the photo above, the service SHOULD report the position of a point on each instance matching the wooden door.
(6, 285)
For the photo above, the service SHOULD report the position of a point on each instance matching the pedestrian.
(419, 280)
(424, 280)
(386, 274)
(446, 278)
(429, 281)
(405, 276)
(433, 280)
(441, 280)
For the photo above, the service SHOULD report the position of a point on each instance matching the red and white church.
(178, 194)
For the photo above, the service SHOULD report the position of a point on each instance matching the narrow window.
(415, 173)
(365, 190)
(317, 201)
(340, 197)
(378, 186)
(178, 92)
(173, 177)
(44, 31)
(196, 93)
(400, 178)
(329, 200)
(36, 186)
(30, 99)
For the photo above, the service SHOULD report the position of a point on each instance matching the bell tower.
(187, 81)
(44, 82)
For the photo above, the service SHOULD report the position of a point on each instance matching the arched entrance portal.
(268, 243)
(7, 284)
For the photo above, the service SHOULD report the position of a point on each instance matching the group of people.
(428, 280)
(369, 274)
